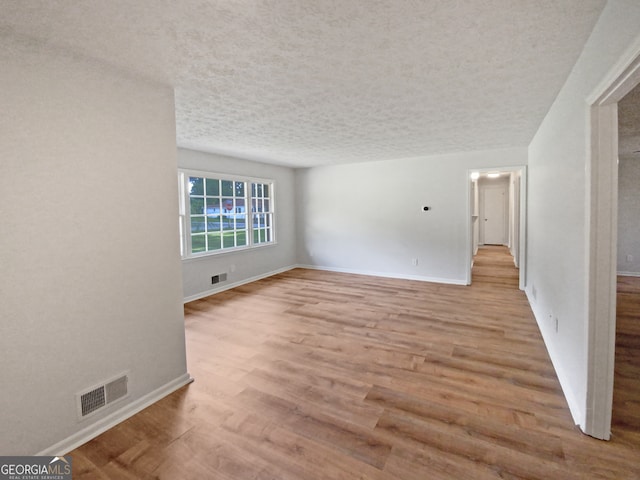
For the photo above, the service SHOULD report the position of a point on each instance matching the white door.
(494, 215)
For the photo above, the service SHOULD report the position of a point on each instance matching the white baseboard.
(229, 286)
(245, 281)
(400, 276)
(577, 412)
(628, 274)
(110, 421)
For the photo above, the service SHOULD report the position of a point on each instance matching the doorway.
(497, 214)
(603, 238)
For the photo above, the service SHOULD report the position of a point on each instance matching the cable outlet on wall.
(414, 262)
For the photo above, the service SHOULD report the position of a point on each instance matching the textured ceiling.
(312, 82)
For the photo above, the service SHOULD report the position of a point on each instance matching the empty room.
(320, 240)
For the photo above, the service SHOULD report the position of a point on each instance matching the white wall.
(91, 279)
(250, 264)
(557, 233)
(368, 217)
(629, 216)
(514, 216)
(475, 212)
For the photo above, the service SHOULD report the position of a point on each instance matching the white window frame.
(185, 211)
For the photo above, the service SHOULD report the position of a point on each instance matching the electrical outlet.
(414, 262)
(629, 258)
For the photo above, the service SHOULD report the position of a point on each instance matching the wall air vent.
(221, 277)
(99, 397)
(92, 401)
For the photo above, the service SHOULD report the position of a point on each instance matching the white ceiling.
(312, 82)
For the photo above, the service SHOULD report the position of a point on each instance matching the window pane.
(197, 206)
(213, 206)
(213, 239)
(239, 189)
(253, 189)
(228, 240)
(241, 238)
(227, 205)
(265, 205)
(227, 188)
(228, 222)
(197, 243)
(213, 223)
(266, 190)
(196, 186)
(197, 224)
(213, 186)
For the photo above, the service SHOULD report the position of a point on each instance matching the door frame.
(522, 239)
(602, 224)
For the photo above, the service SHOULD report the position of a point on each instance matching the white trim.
(227, 251)
(239, 283)
(224, 176)
(629, 274)
(185, 210)
(229, 286)
(563, 377)
(448, 281)
(602, 209)
(522, 250)
(90, 432)
(620, 80)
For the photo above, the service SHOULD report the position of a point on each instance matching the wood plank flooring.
(626, 392)
(318, 375)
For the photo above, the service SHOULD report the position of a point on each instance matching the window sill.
(199, 256)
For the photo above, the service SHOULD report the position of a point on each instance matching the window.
(262, 213)
(214, 215)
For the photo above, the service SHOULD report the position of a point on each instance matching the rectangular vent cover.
(221, 277)
(101, 396)
(116, 389)
(92, 401)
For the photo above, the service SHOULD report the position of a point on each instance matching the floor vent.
(99, 397)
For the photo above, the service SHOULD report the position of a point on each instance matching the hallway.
(493, 267)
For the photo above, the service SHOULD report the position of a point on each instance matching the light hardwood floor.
(318, 375)
(626, 392)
